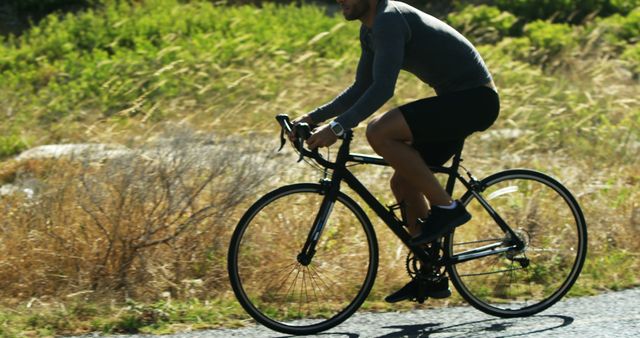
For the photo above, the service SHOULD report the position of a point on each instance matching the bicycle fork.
(330, 191)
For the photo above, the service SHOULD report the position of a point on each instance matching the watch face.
(337, 129)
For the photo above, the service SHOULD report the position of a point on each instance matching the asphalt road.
(615, 314)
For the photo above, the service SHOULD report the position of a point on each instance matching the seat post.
(453, 170)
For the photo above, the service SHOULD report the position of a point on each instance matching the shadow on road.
(513, 327)
(498, 327)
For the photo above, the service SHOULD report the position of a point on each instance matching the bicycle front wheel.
(280, 292)
(547, 218)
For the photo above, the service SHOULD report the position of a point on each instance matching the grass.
(139, 75)
(76, 316)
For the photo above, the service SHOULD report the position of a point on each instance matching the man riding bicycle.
(396, 36)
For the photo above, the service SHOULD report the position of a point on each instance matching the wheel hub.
(519, 255)
(304, 259)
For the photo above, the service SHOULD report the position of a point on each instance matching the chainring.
(416, 270)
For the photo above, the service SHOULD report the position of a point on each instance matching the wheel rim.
(277, 289)
(526, 281)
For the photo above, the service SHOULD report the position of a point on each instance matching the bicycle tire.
(265, 300)
(548, 218)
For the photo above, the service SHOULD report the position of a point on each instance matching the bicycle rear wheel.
(547, 218)
(280, 292)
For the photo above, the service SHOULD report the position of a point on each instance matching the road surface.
(614, 314)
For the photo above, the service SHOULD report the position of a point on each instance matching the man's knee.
(379, 134)
(387, 127)
(374, 130)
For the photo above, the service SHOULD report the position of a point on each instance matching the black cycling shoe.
(411, 291)
(440, 222)
(439, 289)
(408, 292)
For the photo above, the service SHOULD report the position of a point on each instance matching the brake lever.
(283, 120)
(303, 132)
(283, 141)
(301, 155)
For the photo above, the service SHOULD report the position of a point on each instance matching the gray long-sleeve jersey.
(403, 37)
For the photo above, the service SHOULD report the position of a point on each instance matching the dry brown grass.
(153, 220)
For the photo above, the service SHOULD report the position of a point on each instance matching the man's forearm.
(339, 105)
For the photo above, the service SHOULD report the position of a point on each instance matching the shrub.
(483, 24)
(610, 37)
(619, 28)
(632, 55)
(11, 145)
(543, 43)
(574, 11)
(623, 6)
(548, 40)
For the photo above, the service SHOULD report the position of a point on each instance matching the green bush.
(548, 40)
(610, 37)
(623, 6)
(574, 11)
(11, 145)
(543, 43)
(483, 24)
(551, 37)
(517, 48)
(618, 27)
(122, 58)
(632, 55)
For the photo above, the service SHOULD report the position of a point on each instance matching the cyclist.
(395, 36)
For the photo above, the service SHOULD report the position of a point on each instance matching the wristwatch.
(336, 128)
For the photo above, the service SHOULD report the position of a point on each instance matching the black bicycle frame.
(331, 188)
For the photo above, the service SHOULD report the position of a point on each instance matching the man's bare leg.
(415, 203)
(390, 136)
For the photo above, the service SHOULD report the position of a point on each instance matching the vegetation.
(161, 80)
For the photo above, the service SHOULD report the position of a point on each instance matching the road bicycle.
(304, 257)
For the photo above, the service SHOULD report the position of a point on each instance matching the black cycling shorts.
(440, 124)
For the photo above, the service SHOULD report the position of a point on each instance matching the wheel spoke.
(282, 283)
(489, 272)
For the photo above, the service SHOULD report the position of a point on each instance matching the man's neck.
(368, 18)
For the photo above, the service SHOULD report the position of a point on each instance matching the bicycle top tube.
(302, 131)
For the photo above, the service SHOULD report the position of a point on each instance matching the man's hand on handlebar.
(321, 137)
(301, 119)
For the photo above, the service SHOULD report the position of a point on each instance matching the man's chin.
(350, 17)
